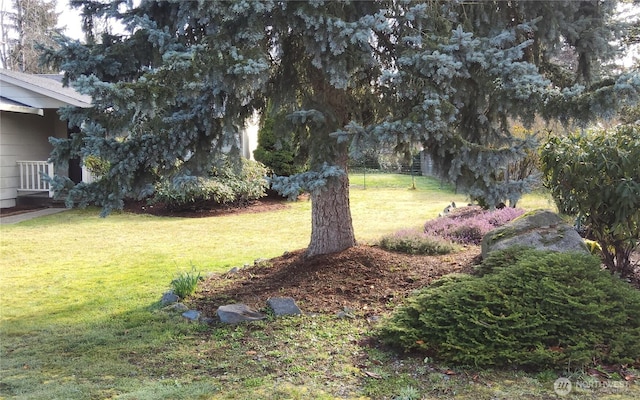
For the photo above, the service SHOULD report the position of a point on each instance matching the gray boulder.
(191, 315)
(169, 298)
(283, 306)
(541, 229)
(237, 313)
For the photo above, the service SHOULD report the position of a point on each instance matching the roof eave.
(49, 93)
(21, 109)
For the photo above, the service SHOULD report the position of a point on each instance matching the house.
(28, 117)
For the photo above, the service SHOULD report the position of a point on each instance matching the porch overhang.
(13, 106)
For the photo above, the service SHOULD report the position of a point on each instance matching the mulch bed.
(366, 279)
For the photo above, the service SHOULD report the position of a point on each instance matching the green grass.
(79, 313)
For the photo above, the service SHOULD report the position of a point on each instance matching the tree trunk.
(331, 224)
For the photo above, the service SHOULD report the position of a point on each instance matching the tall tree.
(501, 64)
(174, 92)
(96, 17)
(631, 114)
(28, 25)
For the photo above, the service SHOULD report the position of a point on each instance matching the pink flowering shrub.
(468, 225)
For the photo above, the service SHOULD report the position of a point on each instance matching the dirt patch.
(366, 279)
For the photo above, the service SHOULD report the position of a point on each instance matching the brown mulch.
(366, 279)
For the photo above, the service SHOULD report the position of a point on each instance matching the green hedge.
(529, 308)
(224, 185)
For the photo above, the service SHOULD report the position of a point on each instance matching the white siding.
(24, 137)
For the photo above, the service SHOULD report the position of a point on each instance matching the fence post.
(364, 176)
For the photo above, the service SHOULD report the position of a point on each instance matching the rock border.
(231, 313)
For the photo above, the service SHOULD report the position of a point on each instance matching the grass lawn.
(79, 314)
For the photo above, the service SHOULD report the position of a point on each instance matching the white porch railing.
(31, 173)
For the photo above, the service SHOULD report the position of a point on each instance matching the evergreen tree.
(631, 114)
(173, 93)
(504, 62)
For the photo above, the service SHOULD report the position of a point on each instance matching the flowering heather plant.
(412, 241)
(468, 225)
(470, 233)
(500, 217)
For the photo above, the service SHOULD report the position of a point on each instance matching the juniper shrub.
(534, 309)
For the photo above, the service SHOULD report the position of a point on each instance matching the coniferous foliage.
(280, 152)
(631, 114)
(165, 102)
(172, 94)
(529, 308)
(501, 63)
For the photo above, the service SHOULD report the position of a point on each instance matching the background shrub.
(416, 242)
(96, 165)
(596, 177)
(467, 225)
(224, 185)
(529, 165)
(537, 310)
(279, 151)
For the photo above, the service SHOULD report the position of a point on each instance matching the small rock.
(169, 298)
(233, 270)
(191, 315)
(236, 313)
(283, 306)
(372, 319)
(177, 307)
(343, 314)
(346, 313)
